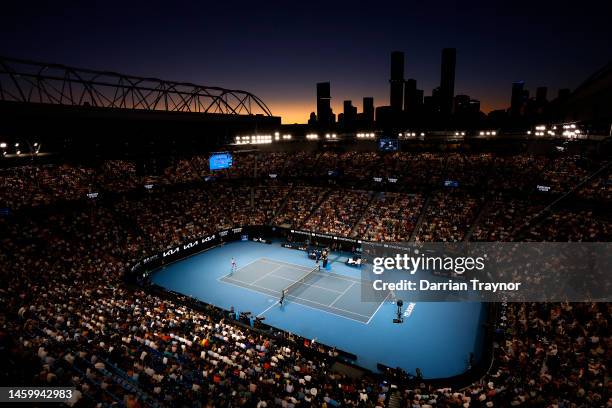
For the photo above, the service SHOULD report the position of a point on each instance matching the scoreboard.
(220, 161)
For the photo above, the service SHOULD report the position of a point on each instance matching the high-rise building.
(410, 96)
(368, 109)
(447, 80)
(324, 112)
(462, 104)
(350, 113)
(516, 100)
(419, 97)
(474, 106)
(397, 81)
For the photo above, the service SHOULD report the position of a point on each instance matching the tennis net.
(299, 282)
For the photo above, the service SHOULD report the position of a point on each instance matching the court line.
(332, 313)
(305, 300)
(307, 284)
(328, 274)
(297, 303)
(239, 269)
(291, 265)
(267, 274)
(332, 275)
(273, 304)
(339, 277)
(379, 306)
(342, 294)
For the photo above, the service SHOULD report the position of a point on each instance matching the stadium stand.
(69, 318)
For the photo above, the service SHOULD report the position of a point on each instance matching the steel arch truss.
(36, 82)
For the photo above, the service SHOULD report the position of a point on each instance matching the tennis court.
(328, 306)
(318, 289)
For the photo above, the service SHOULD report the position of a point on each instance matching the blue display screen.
(451, 183)
(388, 145)
(219, 161)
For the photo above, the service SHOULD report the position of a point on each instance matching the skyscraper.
(324, 114)
(516, 100)
(350, 113)
(410, 96)
(368, 109)
(447, 80)
(397, 81)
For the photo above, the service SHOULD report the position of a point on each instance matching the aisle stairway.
(395, 400)
(417, 227)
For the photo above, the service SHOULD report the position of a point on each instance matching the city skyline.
(280, 53)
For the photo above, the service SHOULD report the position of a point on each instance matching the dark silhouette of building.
(541, 92)
(368, 110)
(412, 98)
(419, 97)
(462, 104)
(447, 80)
(397, 81)
(324, 112)
(313, 119)
(434, 102)
(350, 114)
(474, 106)
(563, 94)
(516, 100)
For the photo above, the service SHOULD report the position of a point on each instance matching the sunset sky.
(279, 51)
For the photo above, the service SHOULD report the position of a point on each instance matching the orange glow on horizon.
(298, 112)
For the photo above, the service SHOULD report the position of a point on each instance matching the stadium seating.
(68, 317)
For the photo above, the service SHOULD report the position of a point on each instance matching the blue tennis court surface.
(436, 337)
(326, 291)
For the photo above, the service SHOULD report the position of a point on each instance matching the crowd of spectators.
(302, 201)
(66, 317)
(448, 216)
(339, 213)
(390, 217)
(503, 218)
(414, 171)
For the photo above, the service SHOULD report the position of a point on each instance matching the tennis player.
(282, 299)
(233, 265)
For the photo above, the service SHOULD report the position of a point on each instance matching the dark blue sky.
(279, 51)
